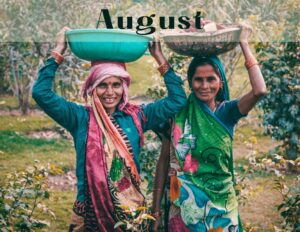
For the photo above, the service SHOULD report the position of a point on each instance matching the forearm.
(161, 175)
(160, 111)
(255, 76)
(248, 101)
(62, 111)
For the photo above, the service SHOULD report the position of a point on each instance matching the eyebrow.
(205, 77)
(115, 82)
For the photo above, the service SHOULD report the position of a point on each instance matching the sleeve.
(229, 113)
(159, 112)
(59, 109)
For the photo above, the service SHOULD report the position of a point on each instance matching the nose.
(109, 89)
(204, 84)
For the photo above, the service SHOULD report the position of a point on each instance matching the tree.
(281, 70)
(27, 35)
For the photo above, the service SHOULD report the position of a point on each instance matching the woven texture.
(203, 43)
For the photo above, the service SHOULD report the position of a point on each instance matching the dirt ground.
(261, 210)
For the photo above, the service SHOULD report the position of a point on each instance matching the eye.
(199, 79)
(116, 85)
(211, 78)
(102, 86)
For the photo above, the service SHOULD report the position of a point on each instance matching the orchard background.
(37, 184)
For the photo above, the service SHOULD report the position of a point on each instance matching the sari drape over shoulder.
(201, 173)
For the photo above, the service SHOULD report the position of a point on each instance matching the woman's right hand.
(61, 43)
(157, 225)
(156, 51)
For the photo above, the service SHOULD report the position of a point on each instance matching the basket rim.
(105, 31)
(167, 35)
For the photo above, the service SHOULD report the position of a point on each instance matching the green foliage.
(28, 35)
(280, 68)
(21, 198)
(136, 218)
(149, 156)
(290, 205)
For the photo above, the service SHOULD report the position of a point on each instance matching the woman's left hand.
(155, 51)
(246, 32)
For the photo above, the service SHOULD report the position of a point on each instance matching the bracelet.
(57, 56)
(163, 68)
(250, 63)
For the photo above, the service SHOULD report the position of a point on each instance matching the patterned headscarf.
(100, 71)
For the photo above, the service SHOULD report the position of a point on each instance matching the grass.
(18, 151)
(261, 209)
(61, 203)
(25, 124)
(9, 102)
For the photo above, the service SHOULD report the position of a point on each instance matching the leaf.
(46, 194)
(124, 207)
(141, 208)
(148, 216)
(118, 224)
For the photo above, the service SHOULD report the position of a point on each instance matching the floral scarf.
(112, 175)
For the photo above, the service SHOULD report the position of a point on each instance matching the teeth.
(109, 100)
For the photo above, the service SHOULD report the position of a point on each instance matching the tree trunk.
(23, 99)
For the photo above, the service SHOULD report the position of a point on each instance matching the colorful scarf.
(112, 176)
(203, 187)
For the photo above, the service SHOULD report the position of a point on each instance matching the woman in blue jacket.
(107, 133)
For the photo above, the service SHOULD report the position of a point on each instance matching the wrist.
(160, 60)
(163, 69)
(157, 214)
(244, 43)
(57, 56)
(60, 49)
(249, 63)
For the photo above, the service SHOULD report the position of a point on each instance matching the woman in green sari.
(198, 159)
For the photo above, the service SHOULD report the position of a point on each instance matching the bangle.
(250, 63)
(163, 68)
(57, 56)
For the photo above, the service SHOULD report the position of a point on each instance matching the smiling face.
(206, 83)
(110, 92)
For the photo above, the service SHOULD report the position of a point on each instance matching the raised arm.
(166, 108)
(248, 101)
(62, 111)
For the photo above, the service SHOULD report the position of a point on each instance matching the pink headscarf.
(103, 69)
(100, 71)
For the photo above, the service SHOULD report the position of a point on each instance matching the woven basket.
(203, 43)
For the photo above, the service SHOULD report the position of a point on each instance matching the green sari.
(201, 155)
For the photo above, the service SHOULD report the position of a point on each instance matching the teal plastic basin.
(107, 44)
